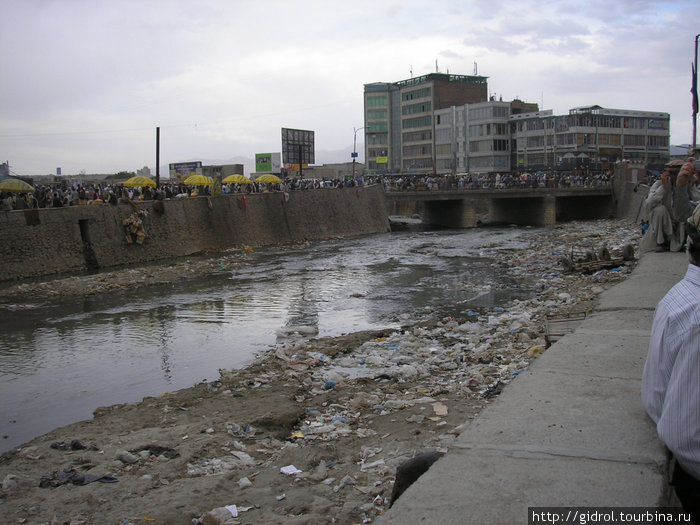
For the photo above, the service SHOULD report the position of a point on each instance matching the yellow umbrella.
(268, 178)
(237, 179)
(140, 182)
(15, 185)
(199, 180)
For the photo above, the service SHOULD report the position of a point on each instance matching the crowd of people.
(66, 194)
(670, 202)
(468, 181)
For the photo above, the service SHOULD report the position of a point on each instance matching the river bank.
(343, 411)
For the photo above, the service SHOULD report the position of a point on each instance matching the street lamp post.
(354, 150)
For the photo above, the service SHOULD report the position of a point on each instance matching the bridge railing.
(493, 182)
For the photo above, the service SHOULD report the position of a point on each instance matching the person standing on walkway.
(671, 378)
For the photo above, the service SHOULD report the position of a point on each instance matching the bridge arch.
(534, 207)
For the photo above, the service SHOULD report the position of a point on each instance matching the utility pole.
(158, 156)
(354, 150)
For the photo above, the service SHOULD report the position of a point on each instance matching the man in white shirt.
(671, 379)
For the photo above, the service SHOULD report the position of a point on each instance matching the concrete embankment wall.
(72, 239)
(629, 200)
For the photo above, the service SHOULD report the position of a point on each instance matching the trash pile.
(314, 430)
(416, 377)
(133, 224)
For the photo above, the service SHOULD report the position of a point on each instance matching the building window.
(565, 139)
(443, 164)
(418, 122)
(377, 139)
(378, 126)
(377, 101)
(418, 136)
(658, 142)
(376, 114)
(443, 135)
(635, 140)
(377, 152)
(501, 163)
(500, 129)
(417, 164)
(419, 150)
(412, 109)
(415, 94)
(443, 149)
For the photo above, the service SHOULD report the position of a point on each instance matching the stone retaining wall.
(74, 239)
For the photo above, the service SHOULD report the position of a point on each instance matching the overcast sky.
(86, 82)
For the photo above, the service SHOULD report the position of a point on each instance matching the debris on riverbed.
(314, 430)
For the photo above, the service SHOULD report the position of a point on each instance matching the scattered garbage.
(290, 470)
(219, 516)
(61, 477)
(415, 375)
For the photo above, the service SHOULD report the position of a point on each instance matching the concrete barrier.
(78, 238)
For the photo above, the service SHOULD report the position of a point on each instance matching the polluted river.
(204, 383)
(60, 361)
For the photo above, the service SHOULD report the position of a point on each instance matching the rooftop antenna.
(474, 68)
(411, 71)
(436, 66)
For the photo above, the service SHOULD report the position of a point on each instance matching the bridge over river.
(522, 206)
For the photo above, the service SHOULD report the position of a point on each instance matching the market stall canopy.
(15, 185)
(199, 180)
(140, 182)
(237, 179)
(268, 178)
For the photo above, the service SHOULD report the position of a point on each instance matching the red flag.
(694, 89)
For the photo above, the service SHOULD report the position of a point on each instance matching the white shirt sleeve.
(671, 378)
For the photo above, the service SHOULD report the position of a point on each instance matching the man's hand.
(687, 173)
(665, 179)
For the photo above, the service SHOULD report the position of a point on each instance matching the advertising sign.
(382, 160)
(297, 146)
(181, 170)
(268, 163)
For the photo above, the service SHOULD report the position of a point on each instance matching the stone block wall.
(78, 238)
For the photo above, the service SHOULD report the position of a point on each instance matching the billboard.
(268, 163)
(181, 170)
(297, 146)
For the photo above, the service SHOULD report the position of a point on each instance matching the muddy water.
(58, 363)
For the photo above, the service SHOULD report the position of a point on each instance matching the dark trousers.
(688, 491)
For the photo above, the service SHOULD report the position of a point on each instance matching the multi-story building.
(399, 118)
(589, 137)
(476, 137)
(441, 123)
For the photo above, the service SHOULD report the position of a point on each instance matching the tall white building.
(497, 136)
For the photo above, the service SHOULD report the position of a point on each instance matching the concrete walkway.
(571, 431)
